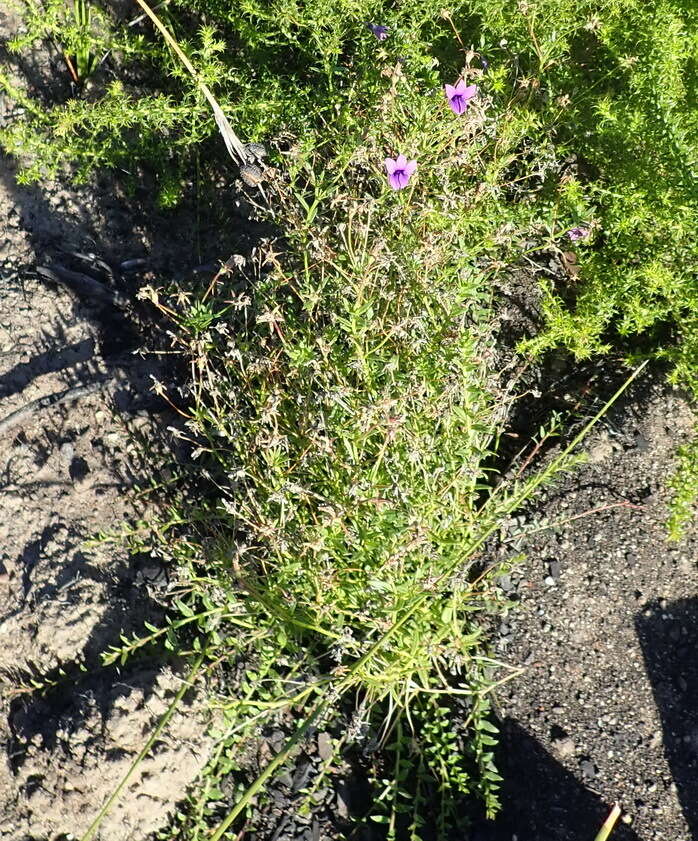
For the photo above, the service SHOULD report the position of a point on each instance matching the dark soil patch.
(605, 627)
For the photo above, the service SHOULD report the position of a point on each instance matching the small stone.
(564, 747)
(554, 568)
(319, 796)
(277, 740)
(285, 779)
(549, 581)
(588, 769)
(300, 778)
(343, 801)
(324, 746)
(66, 453)
(504, 582)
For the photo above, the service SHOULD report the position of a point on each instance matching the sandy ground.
(67, 472)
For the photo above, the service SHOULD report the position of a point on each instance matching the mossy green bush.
(605, 92)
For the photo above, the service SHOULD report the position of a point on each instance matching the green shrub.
(345, 397)
(345, 401)
(606, 92)
(343, 392)
(684, 490)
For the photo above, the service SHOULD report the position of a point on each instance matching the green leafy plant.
(684, 490)
(600, 96)
(84, 62)
(346, 394)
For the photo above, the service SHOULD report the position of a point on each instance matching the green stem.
(186, 684)
(268, 772)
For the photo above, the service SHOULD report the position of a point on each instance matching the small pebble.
(300, 778)
(588, 769)
(564, 747)
(285, 779)
(319, 796)
(324, 746)
(343, 801)
(277, 739)
(66, 452)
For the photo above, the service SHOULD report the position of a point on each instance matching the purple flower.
(575, 234)
(399, 171)
(381, 32)
(459, 95)
(484, 62)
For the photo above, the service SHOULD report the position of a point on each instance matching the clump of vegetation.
(606, 92)
(684, 489)
(346, 397)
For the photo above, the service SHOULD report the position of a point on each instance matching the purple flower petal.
(381, 32)
(575, 234)
(399, 171)
(458, 95)
(457, 104)
(398, 180)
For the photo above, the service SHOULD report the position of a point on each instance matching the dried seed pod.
(256, 151)
(570, 265)
(251, 175)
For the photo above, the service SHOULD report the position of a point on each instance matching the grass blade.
(608, 824)
(232, 142)
(186, 684)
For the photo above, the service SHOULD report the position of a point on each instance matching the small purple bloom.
(381, 32)
(575, 234)
(485, 63)
(459, 96)
(399, 171)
